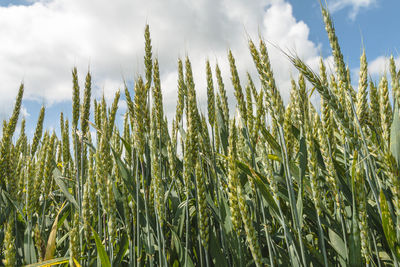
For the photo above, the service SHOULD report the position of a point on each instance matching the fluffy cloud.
(355, 5)
(380, 66)
(43, 41)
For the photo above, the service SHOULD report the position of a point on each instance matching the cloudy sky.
(42, 40)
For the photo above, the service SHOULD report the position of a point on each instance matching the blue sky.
(376, 26)
(14, 2)
(44, 39)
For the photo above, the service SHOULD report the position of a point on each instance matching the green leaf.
(355, 258)
(395, 134)
(123, 248)
(125, 174)
(226, 216)
(299, 207)
(338, 244)
(126, 145)
(18, 206)
(89, 144)
(302, 173)
(216, 253)
(295, 260)
(388, 226)
(271, 141)
(259, 180)
(101, 250)
(29, 247)
(63, 187)
(180, 250)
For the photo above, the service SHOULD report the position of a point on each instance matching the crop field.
(265, 185)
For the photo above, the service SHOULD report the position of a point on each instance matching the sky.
(42, 40)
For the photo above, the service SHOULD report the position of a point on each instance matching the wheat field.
(265, 185)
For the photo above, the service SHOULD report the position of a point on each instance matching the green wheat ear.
(210, 95)
(361, 106)
(38, 132)
(222, 93)
(14, 117)
(236, 85)
(233, 179)
(85, 109)
(9, 243)
(75, 99)
(140, 101)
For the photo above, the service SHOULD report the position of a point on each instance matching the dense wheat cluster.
(273, 185)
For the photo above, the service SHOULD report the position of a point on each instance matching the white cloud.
(42, 42)
(380, 66)
(355, 5)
